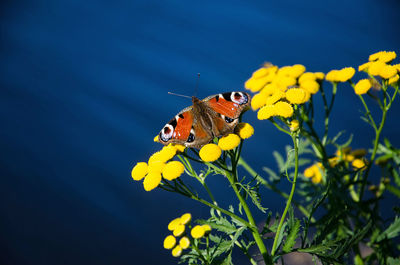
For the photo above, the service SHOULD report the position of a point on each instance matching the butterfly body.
(211, 117)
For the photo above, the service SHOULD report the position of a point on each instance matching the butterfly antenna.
(197, 84)
(179, 95)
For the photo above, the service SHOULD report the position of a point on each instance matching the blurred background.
(84, 91)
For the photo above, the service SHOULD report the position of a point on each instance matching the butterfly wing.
(182, 130)
(227, 108)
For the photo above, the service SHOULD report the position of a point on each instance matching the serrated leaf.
(279, 160)
(353, 240)
(280, 236)
(223, 225)
(392, 231)
(292, 236)
(272, 175)
(321, 249)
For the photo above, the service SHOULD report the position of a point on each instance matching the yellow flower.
(177, 251)
(229, 142)
(297, 70)
(283, 109)
(179, 148)
(210, 152)
(260, 78)
(260, 72)
(364, 66)
(362, 86)
(296, 95)
(358, 163)
(332, 76)
(266, 112)
(255, 84)
(284, 82)
(174, 223)
(388, 71)
(277, 95)
(158, 159)
(197, 231)
(185, 218)
(169, 242)
(393, 79)
(168, 152)
(310, 86)
(345, 74)
(319, 75)
(139, 171)
(375, 68)
(258, 100)
(309, 172)
(307, 76)
(341, 75)
(382, 56)
(314, 172)
(244, 130)
(207, 229)
(156, 166)
(179, 230)
(317, 178)
(294, 125)
(184, 242)
(173, 170)
(152, 180)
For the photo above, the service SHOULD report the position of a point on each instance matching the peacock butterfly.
(211, 117)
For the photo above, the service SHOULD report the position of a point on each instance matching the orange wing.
(229, 104)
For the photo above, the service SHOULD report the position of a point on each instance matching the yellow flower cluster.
(159, 166)
(355, 157)
(379, 64)
(178, 228)
(314, 172)
(341, 75)
(279, 88)
(211, 152)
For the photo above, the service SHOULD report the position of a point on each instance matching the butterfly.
(214, 116)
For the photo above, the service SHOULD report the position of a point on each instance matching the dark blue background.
(84, 91)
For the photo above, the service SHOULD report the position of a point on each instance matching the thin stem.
(368, 113)
(253, 226)
(296, 171)
(372, 159)
(253, 173)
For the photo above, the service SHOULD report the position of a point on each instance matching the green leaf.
(272, 175)
(392, 231)
(353, 240)
(393, 261)
(393, 190)
(280, 236)
(291, 238)
(223, 225)
(279, 161)
(322, 249)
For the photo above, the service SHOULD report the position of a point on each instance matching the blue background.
(84, 91)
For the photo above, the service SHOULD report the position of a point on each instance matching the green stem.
(296, 171)
(252, 226)
(232, 177)
(253, 173)
(372, 159)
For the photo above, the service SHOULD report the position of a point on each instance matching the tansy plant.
(332, 212)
